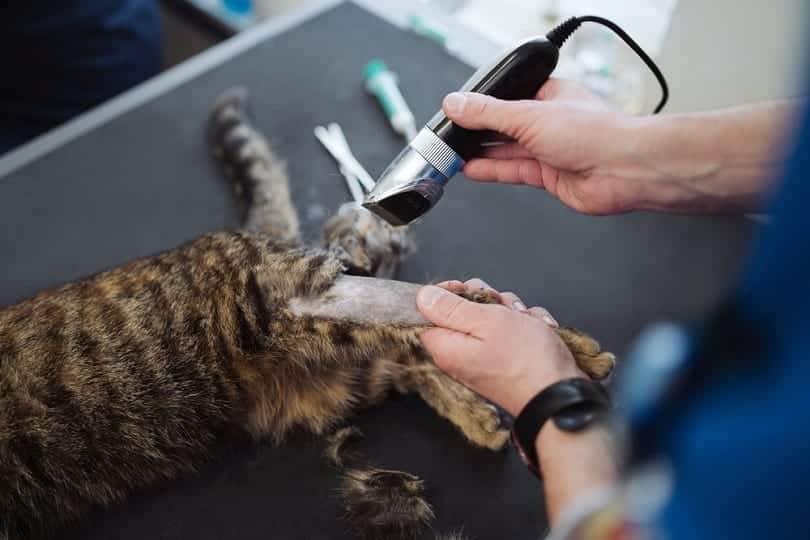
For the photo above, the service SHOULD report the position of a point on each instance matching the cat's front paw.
(383, 504)
(590, 357)
(485, 426)
(366, 244)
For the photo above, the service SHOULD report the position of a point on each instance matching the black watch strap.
(573, 405)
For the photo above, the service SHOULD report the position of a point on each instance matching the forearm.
(573, 465)
(721, 161)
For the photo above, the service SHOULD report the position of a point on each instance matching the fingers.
(508, 299)
(508, 171)
(543, 315)
(510, 150)
(457, 286)
(478, 111)
(555, 87)
(564, 90)
(478, 283)
(447, 310)
(453, 285)
(513, 301)
(450, 350)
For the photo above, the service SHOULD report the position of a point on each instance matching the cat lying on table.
(129, 377)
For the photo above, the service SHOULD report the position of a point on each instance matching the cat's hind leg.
(258, 175)
(482, 423)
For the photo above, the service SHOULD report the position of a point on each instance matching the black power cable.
(562, 32)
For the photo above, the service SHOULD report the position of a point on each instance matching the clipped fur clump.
(383, 504)
(378, 503)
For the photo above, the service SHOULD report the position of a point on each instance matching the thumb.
(452, 352)
(472, 110)
(451, 311)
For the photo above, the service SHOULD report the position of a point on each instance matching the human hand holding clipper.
(601, 161)
(414, 182)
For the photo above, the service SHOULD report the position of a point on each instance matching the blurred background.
(717, 53)
(69, 56)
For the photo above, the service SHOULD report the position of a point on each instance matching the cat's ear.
(370, 301)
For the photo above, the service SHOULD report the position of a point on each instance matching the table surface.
(133, 178)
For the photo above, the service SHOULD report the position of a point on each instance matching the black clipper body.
(414, 182)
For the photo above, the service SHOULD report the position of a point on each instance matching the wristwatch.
(573, 405)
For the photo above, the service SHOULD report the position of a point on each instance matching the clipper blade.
(413, 184)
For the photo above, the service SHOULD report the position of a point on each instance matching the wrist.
(677, 161)
(552, 440)
(704, 162)
(525, 388)
(660, 164)
(572, 405)
(574, 463)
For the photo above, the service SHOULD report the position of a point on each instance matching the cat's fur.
(127, 378)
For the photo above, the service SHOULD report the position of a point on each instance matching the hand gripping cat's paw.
(588, 354)
(366, 244)
(383, 504)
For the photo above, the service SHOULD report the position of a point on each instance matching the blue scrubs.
(62, 57)
(741, 446)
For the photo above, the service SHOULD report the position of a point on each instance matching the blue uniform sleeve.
(740, 448)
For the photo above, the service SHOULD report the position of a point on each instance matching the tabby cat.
(128, 378)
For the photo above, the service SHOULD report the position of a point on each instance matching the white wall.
(726, 52)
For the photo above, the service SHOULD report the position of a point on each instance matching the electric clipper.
(414, 182)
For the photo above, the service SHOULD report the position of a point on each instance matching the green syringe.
(382, 82)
